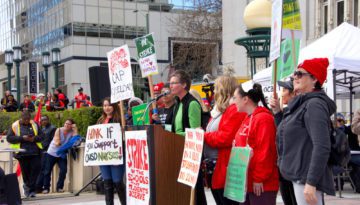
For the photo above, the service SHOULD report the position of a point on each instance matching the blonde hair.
(225, 87)
(197, 96)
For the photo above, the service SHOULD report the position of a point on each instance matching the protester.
(134, 101)
(287, 94)
(49, 131)
(27, 104)
(55, 104)
(112, 174)
(157, 91)
(5, 99)
(25, 134)
(87, 102)
(219, 136)
(40, 101)
(80, 98)
(258, 131)
(62, 136)
(305, 135)
(165, 114)
(11, 105)
(62, 97)
(187, 114)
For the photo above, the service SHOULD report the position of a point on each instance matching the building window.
(356, 12)
(324, 16)
(339, 12)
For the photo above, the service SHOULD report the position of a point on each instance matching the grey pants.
(300, 198)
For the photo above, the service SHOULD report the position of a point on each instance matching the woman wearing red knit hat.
(303, 137)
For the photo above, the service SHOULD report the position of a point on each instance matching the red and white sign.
(190, 165)
(137, 168)
(120, 74)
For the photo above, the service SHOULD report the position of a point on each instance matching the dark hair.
(56, 96)
(116, 113)
(255, 94)
(25, 114)
(59, 90)
(183, 78)
(71, 120)
(318, 86)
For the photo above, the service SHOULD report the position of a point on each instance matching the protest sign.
(276, 26)
(236, 175)
(139, 118)
(286, 64)
(103, 145)
(190, 165)
(137, 168)
(120, 74)
(147, 56)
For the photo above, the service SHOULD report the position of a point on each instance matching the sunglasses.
(300, 74)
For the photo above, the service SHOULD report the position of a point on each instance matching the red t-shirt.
(80, 98)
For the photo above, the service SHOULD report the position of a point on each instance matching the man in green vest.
(25, 134)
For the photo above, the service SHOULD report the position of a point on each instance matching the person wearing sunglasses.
(305, 135)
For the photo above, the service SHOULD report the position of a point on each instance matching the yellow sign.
(291, 15)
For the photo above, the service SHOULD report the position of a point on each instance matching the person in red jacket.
(80, 98)
(219, 136)
(258, 131)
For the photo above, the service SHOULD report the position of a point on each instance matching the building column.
(347, 11)
(331, 14)
(318, 18)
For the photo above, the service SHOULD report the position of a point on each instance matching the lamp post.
(17, 60)
(46, 65)
(55, 54)
(9, 55)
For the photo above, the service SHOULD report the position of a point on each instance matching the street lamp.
(17, 60)
(9, 55)
(46, 64)
(55, 52)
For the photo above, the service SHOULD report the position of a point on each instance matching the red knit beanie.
(316, 67)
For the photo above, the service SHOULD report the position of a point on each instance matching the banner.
(103, 145)
(138, 115)
(190, 165)
(276, 23)
(236, 175)
(286, 64)
(120, 74)
(33, 78)
(147, 56)
(137, 168)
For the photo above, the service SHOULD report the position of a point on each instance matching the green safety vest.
(16, 129)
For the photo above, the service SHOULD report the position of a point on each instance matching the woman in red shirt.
(258, 131)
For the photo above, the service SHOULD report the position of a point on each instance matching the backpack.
(340, 149)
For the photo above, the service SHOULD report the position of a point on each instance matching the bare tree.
(200, 50)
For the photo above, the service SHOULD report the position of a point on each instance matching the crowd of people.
(56, 101)
(291, 145)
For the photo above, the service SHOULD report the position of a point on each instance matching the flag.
(38, 114)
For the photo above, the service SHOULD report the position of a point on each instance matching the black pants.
(50, 163)
(220, 199)
(40, 179)
(200, 198)
(287, 191)
(30, 169)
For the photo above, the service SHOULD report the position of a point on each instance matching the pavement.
(91, 198)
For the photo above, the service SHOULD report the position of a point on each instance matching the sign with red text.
(120, 74)
(190, 165)
(147, 56)
(103, 145)
(137, 168)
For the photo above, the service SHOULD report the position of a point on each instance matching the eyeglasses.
(300, 74)
(174, 83)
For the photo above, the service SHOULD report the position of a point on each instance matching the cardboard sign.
(137, 168)
(139, 118)
(103, 145)
(236, 175)
(120, 74)
(190, 165)
(276, 26)
(286, 64)
(147, 56)
(33, 78)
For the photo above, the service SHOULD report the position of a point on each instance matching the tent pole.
(351, 99)
(334, 87)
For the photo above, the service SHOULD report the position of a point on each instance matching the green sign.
(285, 63)
(147, 56)
(291, 15)
(138, 115)
(236, 176)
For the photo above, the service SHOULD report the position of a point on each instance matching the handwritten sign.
(276, 26)
(236, 175)
(190, 165)
(137, 168)
(120, 74)
(103, 145)
(147, 56)
(139, 118)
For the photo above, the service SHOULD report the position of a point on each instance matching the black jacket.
(31, 107)
(11, 106)
(30, 147)
(303, 141)
(49, 132)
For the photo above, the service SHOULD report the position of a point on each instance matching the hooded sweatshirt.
(303, 141)
(259, 130)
